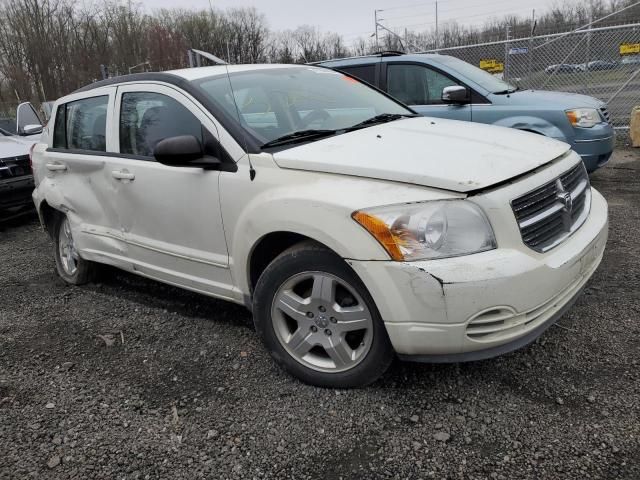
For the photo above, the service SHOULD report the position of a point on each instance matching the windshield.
(275, 102)
(487, 81)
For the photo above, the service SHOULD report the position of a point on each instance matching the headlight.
(438, 229)
(583, 117)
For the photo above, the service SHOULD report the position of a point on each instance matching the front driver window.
(147, 118)
(436, 82)
(416, 84)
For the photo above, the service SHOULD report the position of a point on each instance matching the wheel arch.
(268, 247)
(533, 124)
(48, 216)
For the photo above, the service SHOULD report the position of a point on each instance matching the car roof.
(368, 59)
(202, 72)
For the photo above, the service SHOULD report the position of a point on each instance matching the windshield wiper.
(382, 118)
(304, 135)
(299, 136)
(507, 91)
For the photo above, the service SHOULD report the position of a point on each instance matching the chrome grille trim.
(549, 214)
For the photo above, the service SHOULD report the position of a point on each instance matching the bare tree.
(51, 47)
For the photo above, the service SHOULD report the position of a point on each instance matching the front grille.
(14, 166)
(605, 114)
(552, 212)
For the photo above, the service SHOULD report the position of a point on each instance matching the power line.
(488, 15)
(466, 7)
(405, 7)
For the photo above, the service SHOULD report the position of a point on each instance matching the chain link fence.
(600, 62)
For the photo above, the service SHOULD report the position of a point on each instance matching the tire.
(318, 321)
(70, 266)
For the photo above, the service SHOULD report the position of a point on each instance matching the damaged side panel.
(83, 191)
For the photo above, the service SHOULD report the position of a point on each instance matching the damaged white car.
(354, 229)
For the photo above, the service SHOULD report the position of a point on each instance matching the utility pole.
(379, 25)
(375, 18)
(437, 35)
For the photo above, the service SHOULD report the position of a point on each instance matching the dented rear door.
(74, 167)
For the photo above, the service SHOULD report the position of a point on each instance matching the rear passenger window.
(363, 72)
(147, 118)
(82, 125)
(59, 136)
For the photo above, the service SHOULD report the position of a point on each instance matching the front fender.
(533, 124)
(315, 205)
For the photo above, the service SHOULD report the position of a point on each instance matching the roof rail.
(382, 53)
(389, 53)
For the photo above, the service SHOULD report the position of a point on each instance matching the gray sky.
(354, 18)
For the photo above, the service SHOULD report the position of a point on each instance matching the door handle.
(56, 167)
(122, 175)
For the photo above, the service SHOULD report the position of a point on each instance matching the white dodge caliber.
(352, 228)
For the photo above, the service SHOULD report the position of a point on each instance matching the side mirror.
(31, 129)
(26, 116)
(184, 151)
(455, 94)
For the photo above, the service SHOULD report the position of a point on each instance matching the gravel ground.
(129, 378)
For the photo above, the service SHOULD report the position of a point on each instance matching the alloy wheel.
(322, 322)
(68, 254)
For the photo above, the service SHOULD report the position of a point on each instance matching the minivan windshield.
(299, 103)
(487, 81)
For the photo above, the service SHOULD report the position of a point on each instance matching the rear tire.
(70, 266)
(318, 321)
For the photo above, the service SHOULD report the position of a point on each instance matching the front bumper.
(483, 305)
(595, 145)
(16, 192)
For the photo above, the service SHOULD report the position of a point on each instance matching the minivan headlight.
(429, 230)
(583, 117)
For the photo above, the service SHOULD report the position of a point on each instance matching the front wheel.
(318, 320)
(70, 266)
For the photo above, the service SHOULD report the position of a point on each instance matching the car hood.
(557, 100)
(446, 154)
(15, 146)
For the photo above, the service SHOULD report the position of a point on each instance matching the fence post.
(586, 73)
(506, 54)
(530, 53)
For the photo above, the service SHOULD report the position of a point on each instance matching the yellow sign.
(629, 48)
(492, 65)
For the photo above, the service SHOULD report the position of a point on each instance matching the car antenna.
(219, 61)
(252, 171)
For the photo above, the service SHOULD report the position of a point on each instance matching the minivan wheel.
(70, 266)
(318, 320)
